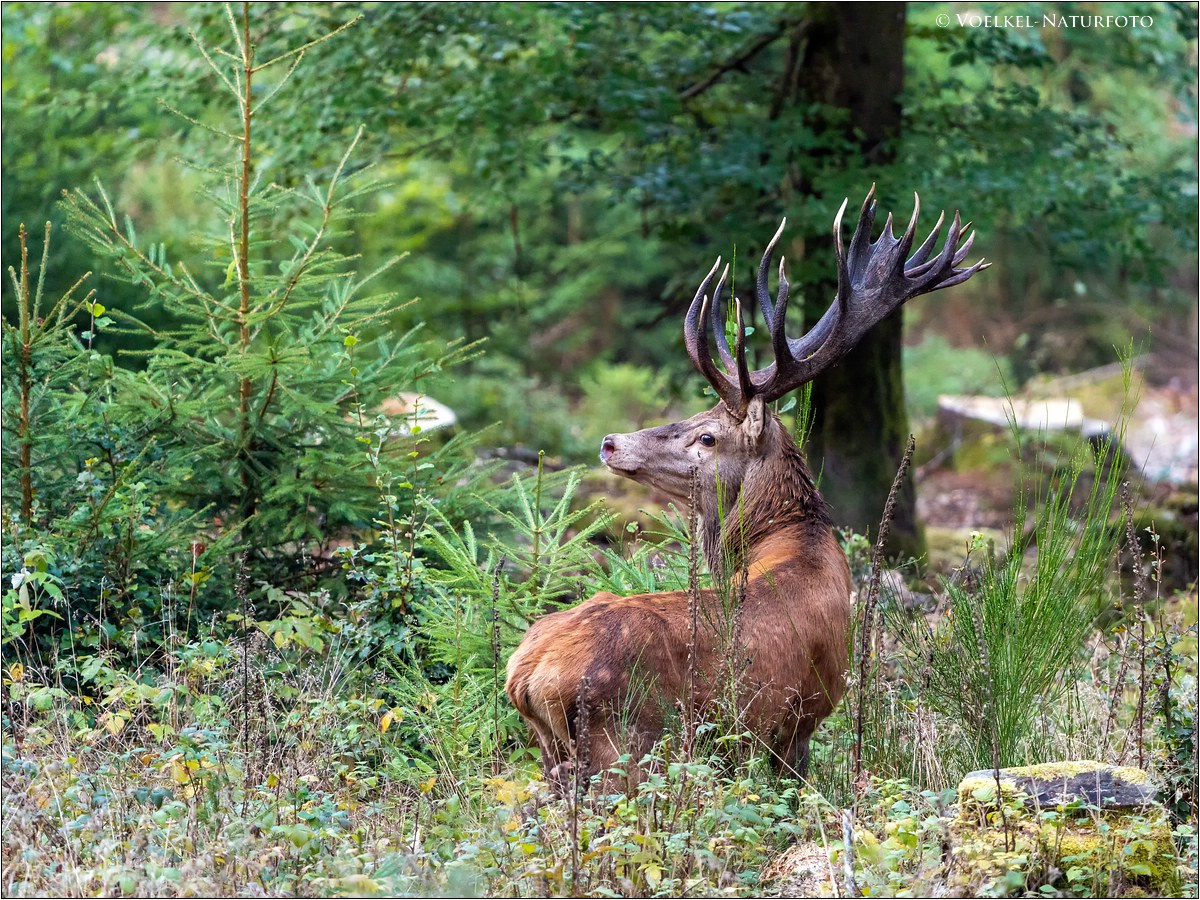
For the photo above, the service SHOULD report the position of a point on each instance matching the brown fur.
(760, 514)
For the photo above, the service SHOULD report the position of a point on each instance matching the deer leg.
(792, 753)
(554, 755)
(801, 759)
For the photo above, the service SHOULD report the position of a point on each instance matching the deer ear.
(756, 418)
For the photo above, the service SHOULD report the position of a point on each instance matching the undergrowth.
(280, 760)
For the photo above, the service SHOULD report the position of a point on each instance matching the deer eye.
(708, 440)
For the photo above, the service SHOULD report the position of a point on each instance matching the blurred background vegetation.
(561, 175)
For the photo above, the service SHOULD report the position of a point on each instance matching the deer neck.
(776, 499)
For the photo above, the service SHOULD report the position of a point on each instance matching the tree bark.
(854, 61)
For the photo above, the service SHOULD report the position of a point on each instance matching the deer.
(606, 677)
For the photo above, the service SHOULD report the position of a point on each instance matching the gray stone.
(1052, 784)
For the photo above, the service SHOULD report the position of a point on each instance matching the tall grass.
(1028, 613)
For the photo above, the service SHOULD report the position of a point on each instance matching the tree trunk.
(854, 61)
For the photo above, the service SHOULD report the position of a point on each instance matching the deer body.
(785, 645)
(605, 678)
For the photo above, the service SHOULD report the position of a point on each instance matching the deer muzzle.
(608, 447)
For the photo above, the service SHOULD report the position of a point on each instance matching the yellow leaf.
(114, 724)
(272, 780)
(16, 672)
(427, 785)
(508, 792)
(653, 874)
(179, 772)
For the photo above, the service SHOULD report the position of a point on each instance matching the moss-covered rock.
(1049, 785)
(1085, 823)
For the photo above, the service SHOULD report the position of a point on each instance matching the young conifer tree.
(280, 351)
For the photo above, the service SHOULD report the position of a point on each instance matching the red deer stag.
(602, 678)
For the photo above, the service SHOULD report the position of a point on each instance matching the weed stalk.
(496, 663)
(1139, 606)
(866, 623)
(689, 723)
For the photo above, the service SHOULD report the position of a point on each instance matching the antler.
(874, 279)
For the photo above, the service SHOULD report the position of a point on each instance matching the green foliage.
(907, 841)
(38, 346)
(93, 529)
(166, 781)
(476, 605)
(68, 116)
(633, 150)
(252, 425)
(278, 361)
(1101, 155)
(689, 829)
(1174, 682)
(1011, 641)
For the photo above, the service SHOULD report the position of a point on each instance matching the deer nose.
(608, 447)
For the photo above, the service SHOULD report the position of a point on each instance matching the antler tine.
(694, 313)
(760, 287)
(695, 326)
(743, 372)
(928, 244)
(928, 271)
(778, 338)
(695, 339)
(704, 362)
(717, 314)
(910, 232)
(962, 275)
(961, 253)
(843, 272)
(861, 241)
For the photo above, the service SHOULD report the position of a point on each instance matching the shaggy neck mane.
(776, 494)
